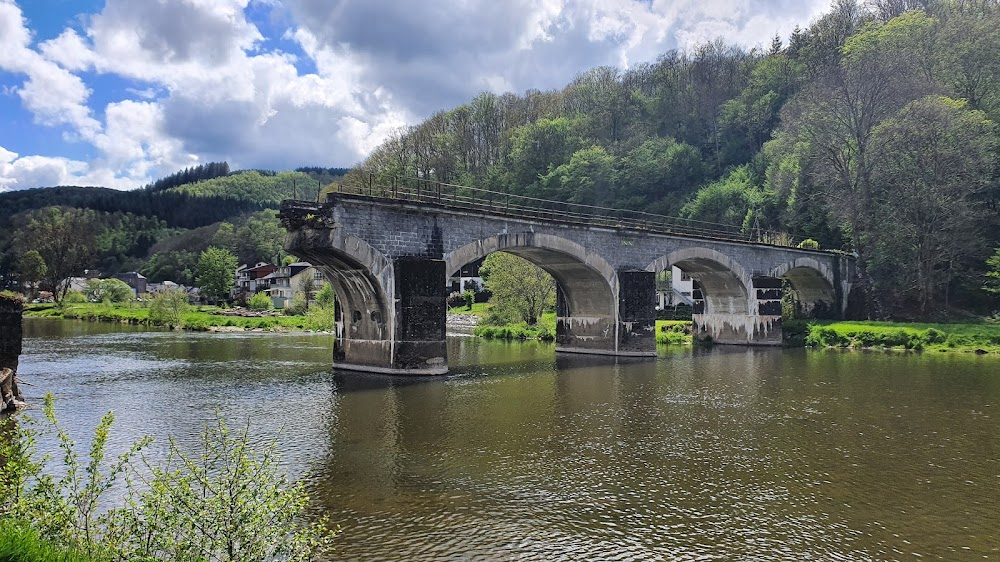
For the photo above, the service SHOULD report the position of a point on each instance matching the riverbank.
(668, 332)
(199, 319)
(967, 337)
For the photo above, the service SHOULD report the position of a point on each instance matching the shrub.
(320, 318)
(228, 502)
(455, 299)
(469, 297)
(933, 335)
(168, 308)
(260, 301)
(809, 244)
(73, 297)
(108, 290)
(826, 337)
(297, 307)
(325, 295)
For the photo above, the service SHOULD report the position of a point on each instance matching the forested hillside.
(872, 131)
(159, 230)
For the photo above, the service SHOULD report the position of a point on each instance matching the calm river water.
(520, 454)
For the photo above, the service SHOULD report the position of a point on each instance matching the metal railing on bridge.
(420, 190)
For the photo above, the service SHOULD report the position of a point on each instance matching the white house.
(291, 280)
(467, 278)
(673, 289)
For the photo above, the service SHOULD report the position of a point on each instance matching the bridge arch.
(812, 283)
(725, 284)
(587, 282)
(362, 278)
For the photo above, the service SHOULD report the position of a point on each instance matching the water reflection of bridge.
(388, 249)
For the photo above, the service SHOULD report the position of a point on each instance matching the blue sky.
(119, 92)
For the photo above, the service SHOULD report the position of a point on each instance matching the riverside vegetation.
(171, 310)
(228, 501)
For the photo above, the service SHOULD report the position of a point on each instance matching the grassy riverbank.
(201, 318)
(668, 332)
(979, 337)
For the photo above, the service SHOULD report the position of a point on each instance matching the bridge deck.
(464, 198)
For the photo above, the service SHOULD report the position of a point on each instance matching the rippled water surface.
(521, 454)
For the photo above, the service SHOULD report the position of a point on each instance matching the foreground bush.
(230, 501)
(20, 543)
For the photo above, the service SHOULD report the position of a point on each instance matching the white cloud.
(54, 95)
(207, 85)
(33, 171)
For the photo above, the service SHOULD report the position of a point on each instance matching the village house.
(135, 280)
(293, 280)
(250, 280)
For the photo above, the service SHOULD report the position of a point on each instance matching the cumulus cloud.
(54, 95)
(205, 83)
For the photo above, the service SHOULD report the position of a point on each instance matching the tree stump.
(11, 334)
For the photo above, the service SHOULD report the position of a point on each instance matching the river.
(523, 454)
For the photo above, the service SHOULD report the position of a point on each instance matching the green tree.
(325, 295)
(659, 170)
(878, 72)
(539, 147)
(65, 240)
(521, 290)
(32, 269)
(993, 273)
(168, 308)
(260, 301)
(216, 271)
(260, 238)
(932, 163)
(108, 290)
(588, 178)
(731, 200)
(177, 266)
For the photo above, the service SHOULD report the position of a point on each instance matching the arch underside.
(363, 322)
(813, 294)
(587, 306)
(722, 291)
(585, 293)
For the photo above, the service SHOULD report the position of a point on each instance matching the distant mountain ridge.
(189, 205)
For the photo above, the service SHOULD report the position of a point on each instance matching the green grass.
(673, 332)
(20, 543)
(668, 332)
(544, 330)
(894, 335)
(201, 318)
(478, 309)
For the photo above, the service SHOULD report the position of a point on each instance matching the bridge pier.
(630, 333)
(407, 337)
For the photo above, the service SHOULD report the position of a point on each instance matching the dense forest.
(870, 131)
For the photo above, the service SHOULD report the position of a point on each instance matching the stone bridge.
(389, 261)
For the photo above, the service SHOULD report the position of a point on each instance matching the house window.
(685, 277)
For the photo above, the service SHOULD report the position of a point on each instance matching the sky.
(118, 93)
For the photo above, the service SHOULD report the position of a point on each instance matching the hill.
(160, 230)
(873, 131)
